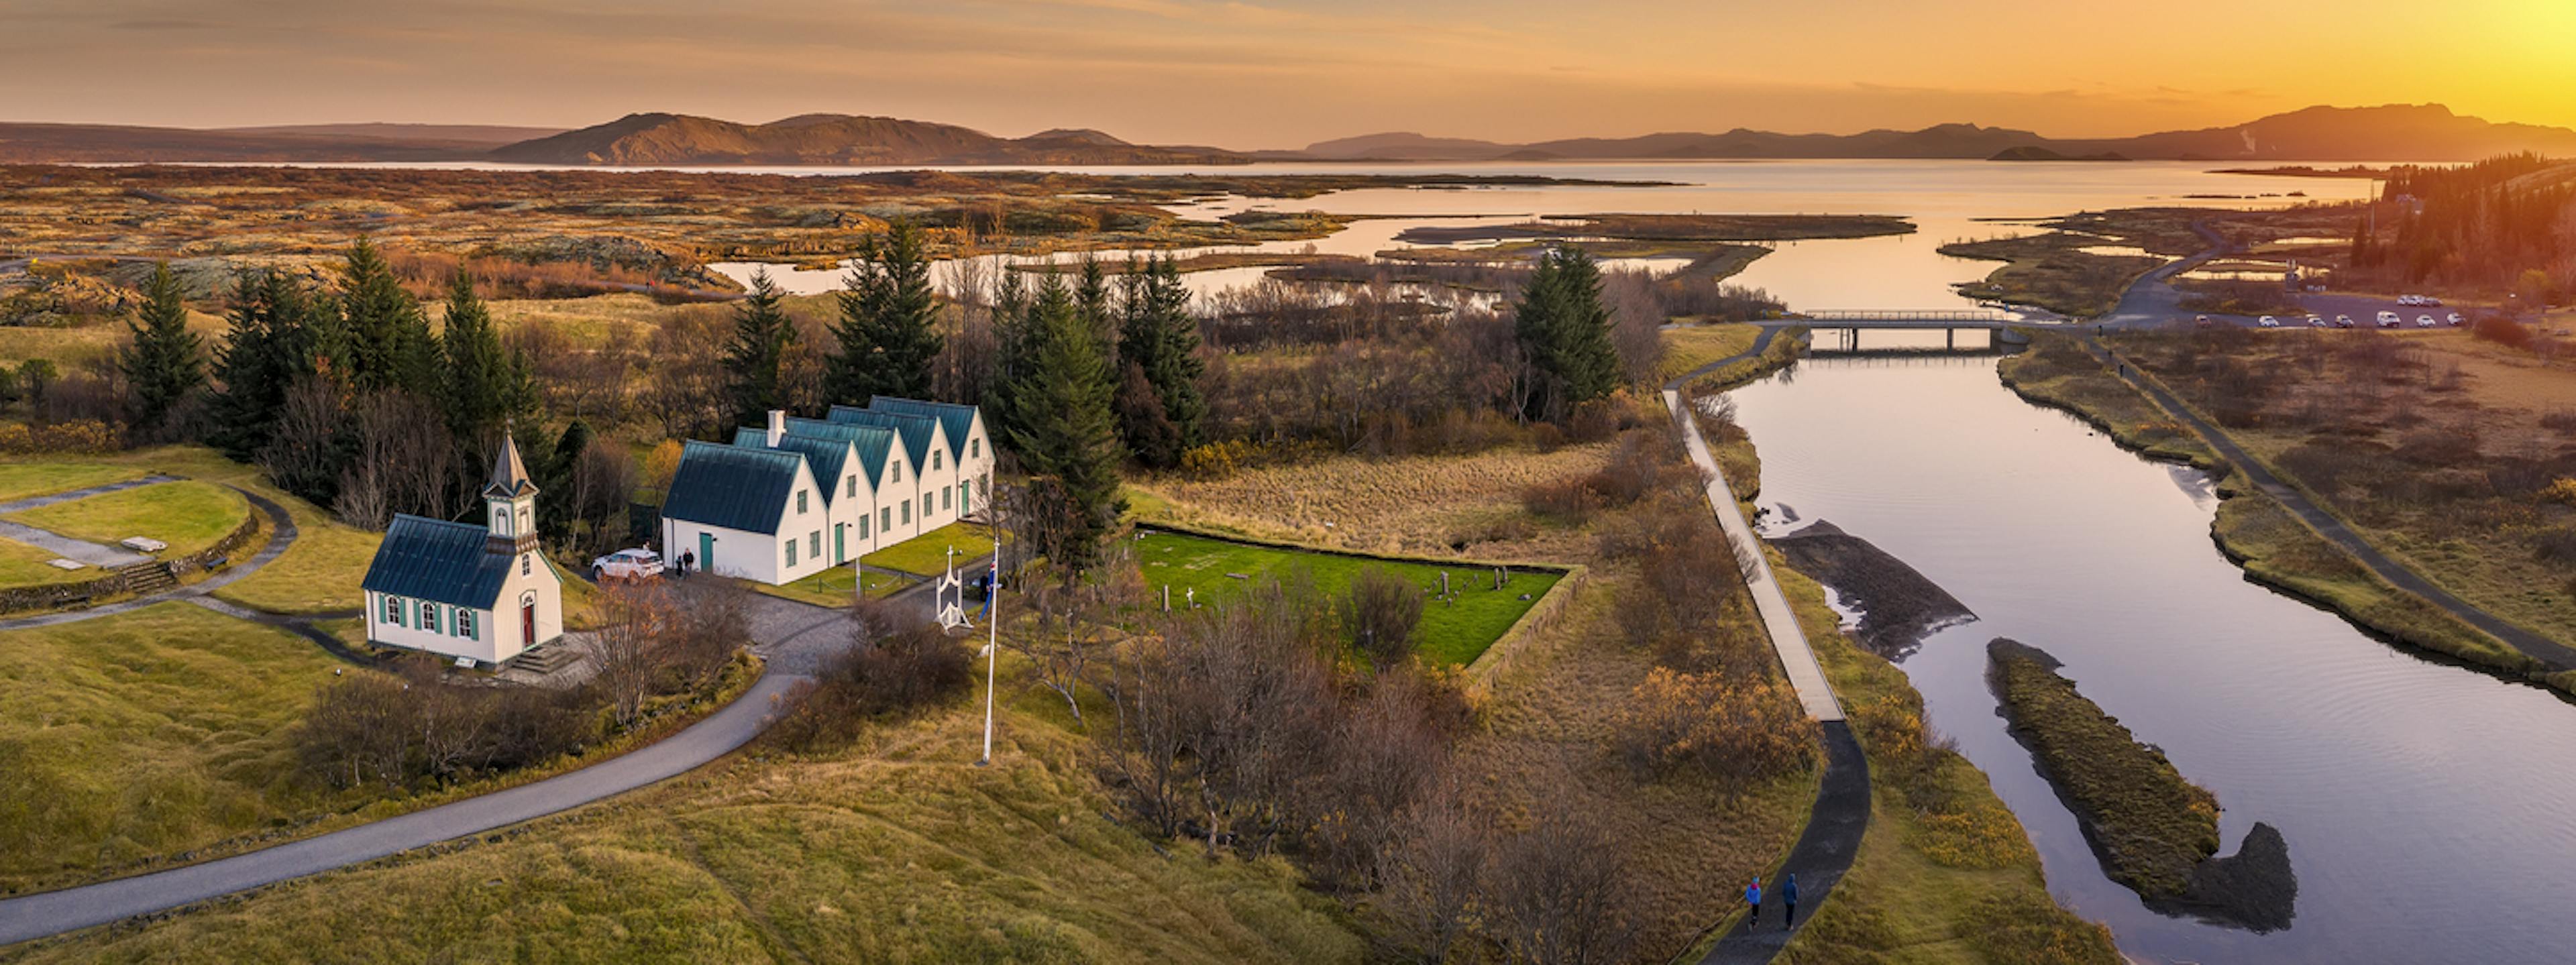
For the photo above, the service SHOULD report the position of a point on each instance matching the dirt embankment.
(1899, 606)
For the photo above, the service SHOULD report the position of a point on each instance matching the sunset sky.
(1278, 73)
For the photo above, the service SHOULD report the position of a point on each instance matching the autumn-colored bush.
(1734, 728)
(84, 436)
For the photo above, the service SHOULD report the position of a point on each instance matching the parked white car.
(2316, 322)
(2343, 321)
(2455, 320)
(2268, 321)
(634, 564)
(2423, 321)
(2389, 320)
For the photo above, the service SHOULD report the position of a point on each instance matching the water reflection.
(2426, 803)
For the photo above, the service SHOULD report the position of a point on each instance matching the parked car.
(2268, 321)
(630, 564)
(2454, 320)
(2316, 322)
(2389, 320)
(2428, 301)
(2343, 321)
(2423, 321)
(2202, 321)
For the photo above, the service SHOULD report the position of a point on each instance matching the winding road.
(1840, 817)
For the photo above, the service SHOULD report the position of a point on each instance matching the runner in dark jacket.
(1789, 901)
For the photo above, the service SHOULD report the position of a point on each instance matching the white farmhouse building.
(787, 500)
(482, 593)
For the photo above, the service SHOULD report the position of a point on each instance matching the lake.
(1946, 200)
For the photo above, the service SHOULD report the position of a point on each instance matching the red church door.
(528, 624)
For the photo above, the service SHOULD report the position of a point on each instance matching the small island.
(2153, 830)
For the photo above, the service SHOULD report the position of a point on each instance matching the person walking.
(1753, 901)
(1789, 902)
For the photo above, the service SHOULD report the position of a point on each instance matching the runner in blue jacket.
(1753, 900)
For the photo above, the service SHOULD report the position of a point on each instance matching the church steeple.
(510, 503)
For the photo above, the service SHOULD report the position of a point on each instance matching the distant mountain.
(488, 135)
(2396, 132)
(2031, 152)
(106, 143)
(832, 139)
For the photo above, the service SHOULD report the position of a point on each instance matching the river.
(2426, 806)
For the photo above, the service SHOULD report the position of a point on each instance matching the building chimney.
(777, 426)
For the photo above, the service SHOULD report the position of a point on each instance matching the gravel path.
(281, 534)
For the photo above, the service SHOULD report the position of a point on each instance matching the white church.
(479, 593)
(797, 496)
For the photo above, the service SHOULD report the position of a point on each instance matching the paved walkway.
(1779, 621)
(94, 554)
(281, 534)
(793, 637)
(1840, 817)
(2555, 655)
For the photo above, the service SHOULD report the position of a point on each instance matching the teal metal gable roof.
(824, 456)
(736, 487)
(959, 420)
(872, 442)
(914, 429)
(433, 559)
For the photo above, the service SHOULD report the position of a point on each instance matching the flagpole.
(992, 653)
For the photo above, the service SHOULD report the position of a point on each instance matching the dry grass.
(24, 565)
(897, 849)
(1686, 349)
(186, 514)
(1414, 504)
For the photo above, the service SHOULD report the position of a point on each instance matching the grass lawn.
(831, 588)
(1451, 633)
(146, 733)
(318, 574)
(927, 554)
(21, 478)
(189, 515)
(24, 565)
(1689, 348)
(897, 849)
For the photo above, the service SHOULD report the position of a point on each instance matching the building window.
(527, 563)
(898, 472)
(885, 518)
(429, 616)
(791, 551)
(944, 498)
(982, 485)
(814, 544)
(800, 501)
(393, 610)
(853, 488)
(975, 448)
(465, 623)
(523, 520)
(934, 459)
(906, 506)
(863, 526)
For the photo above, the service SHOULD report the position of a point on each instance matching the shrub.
(1738, 730)
(1570, 499)
(2561, 491)
(1380, 614)
(888, 673)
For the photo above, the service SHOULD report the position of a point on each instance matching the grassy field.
(831, 588)
(2439, 455)
(187, 514)
(2053, 272)
(1452, 632)
(1946, 873)
(144, 734)
(927, 554)
(897, 849)
(21, 478)
(1415, 504)
(2150, 825)
(24, 565)
(318, 574)
(1694, 346)
(2059, 374)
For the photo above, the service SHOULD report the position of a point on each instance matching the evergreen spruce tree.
(1012, 347)
(383, 322)
(889, 327)
(166, 362)
(1091, 304)
(254, 367)
(1564, 330)
(475, 389)
(756, 358)
(1158, 346)
(1065, 435)
(553, 473)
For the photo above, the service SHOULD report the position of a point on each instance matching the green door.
(706, 551)
(840, 547)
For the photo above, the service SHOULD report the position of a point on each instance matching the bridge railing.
(1928, 315)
